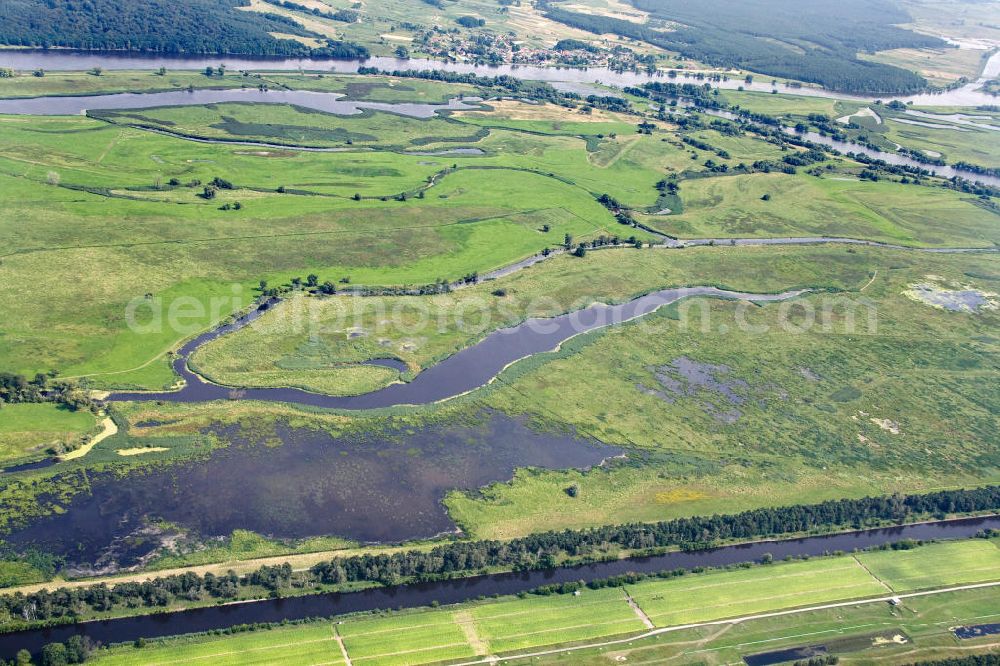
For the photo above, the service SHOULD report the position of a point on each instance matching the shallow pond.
(295, 483)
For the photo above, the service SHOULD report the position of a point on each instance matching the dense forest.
(806, 41)
(160, 26)
(467, 558)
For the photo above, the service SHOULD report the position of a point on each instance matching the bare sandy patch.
(318, 26)
(515, 110)
(311, 42)
(139, 450)
(887, 425)
(862, 113)
(110, 428)
(612, 8)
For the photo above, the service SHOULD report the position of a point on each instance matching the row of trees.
(42, 387)
(456, 559)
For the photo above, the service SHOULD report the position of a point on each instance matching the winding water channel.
(460, 373)
(455, 591)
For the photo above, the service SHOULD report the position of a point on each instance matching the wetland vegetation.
(379, 225)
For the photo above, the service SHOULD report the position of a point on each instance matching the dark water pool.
(295, 483)
(977, 631)
(781, 656)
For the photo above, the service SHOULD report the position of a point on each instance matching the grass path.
(641, 614)
(467, 624)
(343, 649)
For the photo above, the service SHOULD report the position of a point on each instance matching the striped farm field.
(415, 638)
(563, 618)
(718, 595)
(303, 645)
(934, 565)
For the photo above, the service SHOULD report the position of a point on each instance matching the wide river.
(32, 59)
(455, 591)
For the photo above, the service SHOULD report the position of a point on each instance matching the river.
(455, 591)
(64, 59)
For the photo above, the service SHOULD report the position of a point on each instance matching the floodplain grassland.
(754, 406)
(406, 639)
(936, 137)
(944, 564)
(313, 342)
(788, 103)
(714, 595)
(29, 428)
(188, 247)
(353, 87)
(507, 626)
(861, 633)
(295, 644)
(940, 66)
(809, 409)
(295, 126)
(802, 205)
(181, 244)
(941, 138)
(965, 20)
(532, 622)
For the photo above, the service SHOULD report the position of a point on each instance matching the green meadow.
(751, 406)
(531, 622)
(860, 633)
(838, 205)
(944, 564)
(315, 343)
(26, 430)
(167, 242)
(371, 217)
(691, 599)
